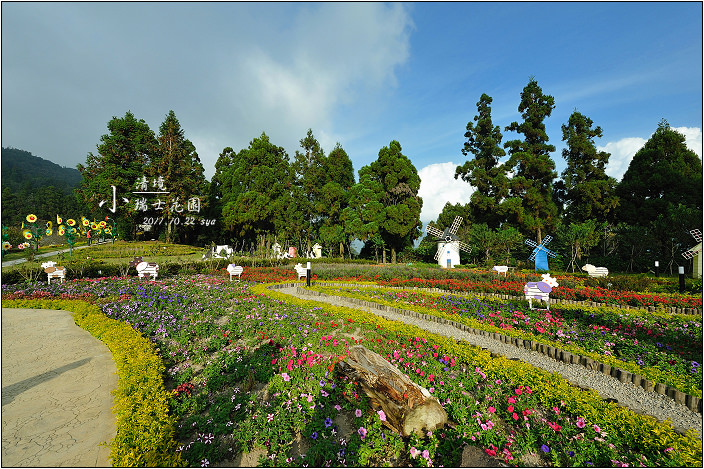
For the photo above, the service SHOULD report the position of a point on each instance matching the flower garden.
(250, 373)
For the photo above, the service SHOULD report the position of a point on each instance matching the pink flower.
(285, 376)
(382, 415)
(511, 400)
(362, 432)
(510, 408)
(492, 410)
(431, 389)
(414, 452)
(581, 422)
(596, 428)
(358, 413)
(338, 408)
(515, 416)
(426, 454)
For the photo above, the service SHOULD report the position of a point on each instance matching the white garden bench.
(54, 271)
(501, 269)
(233, 269)
(301, 271)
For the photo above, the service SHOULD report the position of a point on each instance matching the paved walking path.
(56, 391)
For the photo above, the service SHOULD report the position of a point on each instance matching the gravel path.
(627, 394)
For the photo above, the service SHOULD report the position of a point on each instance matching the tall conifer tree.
(531, 202)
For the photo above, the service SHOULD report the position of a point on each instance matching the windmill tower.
(696, 254)
(540, 253)
(449, 245)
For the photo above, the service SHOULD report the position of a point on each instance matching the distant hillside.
(34, 185)
(23, 171)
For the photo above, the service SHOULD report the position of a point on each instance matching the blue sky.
(361, 74)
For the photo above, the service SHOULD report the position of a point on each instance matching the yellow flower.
(49, 224)
(31, 218)
(58, 220)
(85, 221)
(102, 224)
(62, 230)
(27, 234)
(108, 230)
(94, 226)
(71, 222)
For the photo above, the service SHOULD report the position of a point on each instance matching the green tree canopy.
(399, 184)
(255, 187)
(122, 157)
(586, 191)
(175, 161)
(531, 187)
(663, 173)
(334, 197)
(309, 179)
(484, 172)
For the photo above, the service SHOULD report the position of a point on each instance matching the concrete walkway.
(56, 392)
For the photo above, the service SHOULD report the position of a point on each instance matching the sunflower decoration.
(69, 232)
(49, 229)
(32, 231)
(85, 221)
(58, 220)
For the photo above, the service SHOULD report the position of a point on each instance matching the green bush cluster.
(145, 429)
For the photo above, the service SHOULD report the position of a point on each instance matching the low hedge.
(145, 430)
(634, 429)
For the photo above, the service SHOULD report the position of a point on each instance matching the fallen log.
(408, 407)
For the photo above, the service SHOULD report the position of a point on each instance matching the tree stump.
(408, 407)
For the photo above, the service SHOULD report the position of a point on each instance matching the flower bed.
(254, 373)
(661, 347)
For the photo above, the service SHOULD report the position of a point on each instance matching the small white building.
(317, 251)
(448, 254)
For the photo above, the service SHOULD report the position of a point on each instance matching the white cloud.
(693, 138)
(622, 151)
(438, 186)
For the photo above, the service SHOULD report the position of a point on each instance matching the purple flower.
(571, 453)
(362, 432)
(314, 435)
(328, 422)
(358, 413)
(545, 448)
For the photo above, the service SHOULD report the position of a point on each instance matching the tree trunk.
(408, 407)
(383, 255)
(393, 255)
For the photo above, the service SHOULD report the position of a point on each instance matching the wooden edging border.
(693, 403)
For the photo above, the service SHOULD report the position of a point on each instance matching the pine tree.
(177, 165)
(122, 158)
(484, 172)
(531, 203)
(586, 191)
(399, 184)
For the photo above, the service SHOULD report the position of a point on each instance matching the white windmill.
(449, 245)
(696, 254)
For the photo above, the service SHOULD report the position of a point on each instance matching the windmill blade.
(456, 224)
(465, 247)
(532, 256)
(432, 231)
(697, 235)
(549, 252)
(547, 240)
(690, 253)
(531, 243)
(441, 248)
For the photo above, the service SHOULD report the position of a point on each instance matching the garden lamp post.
(308, 274)
(680, 269)
(657, 268)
